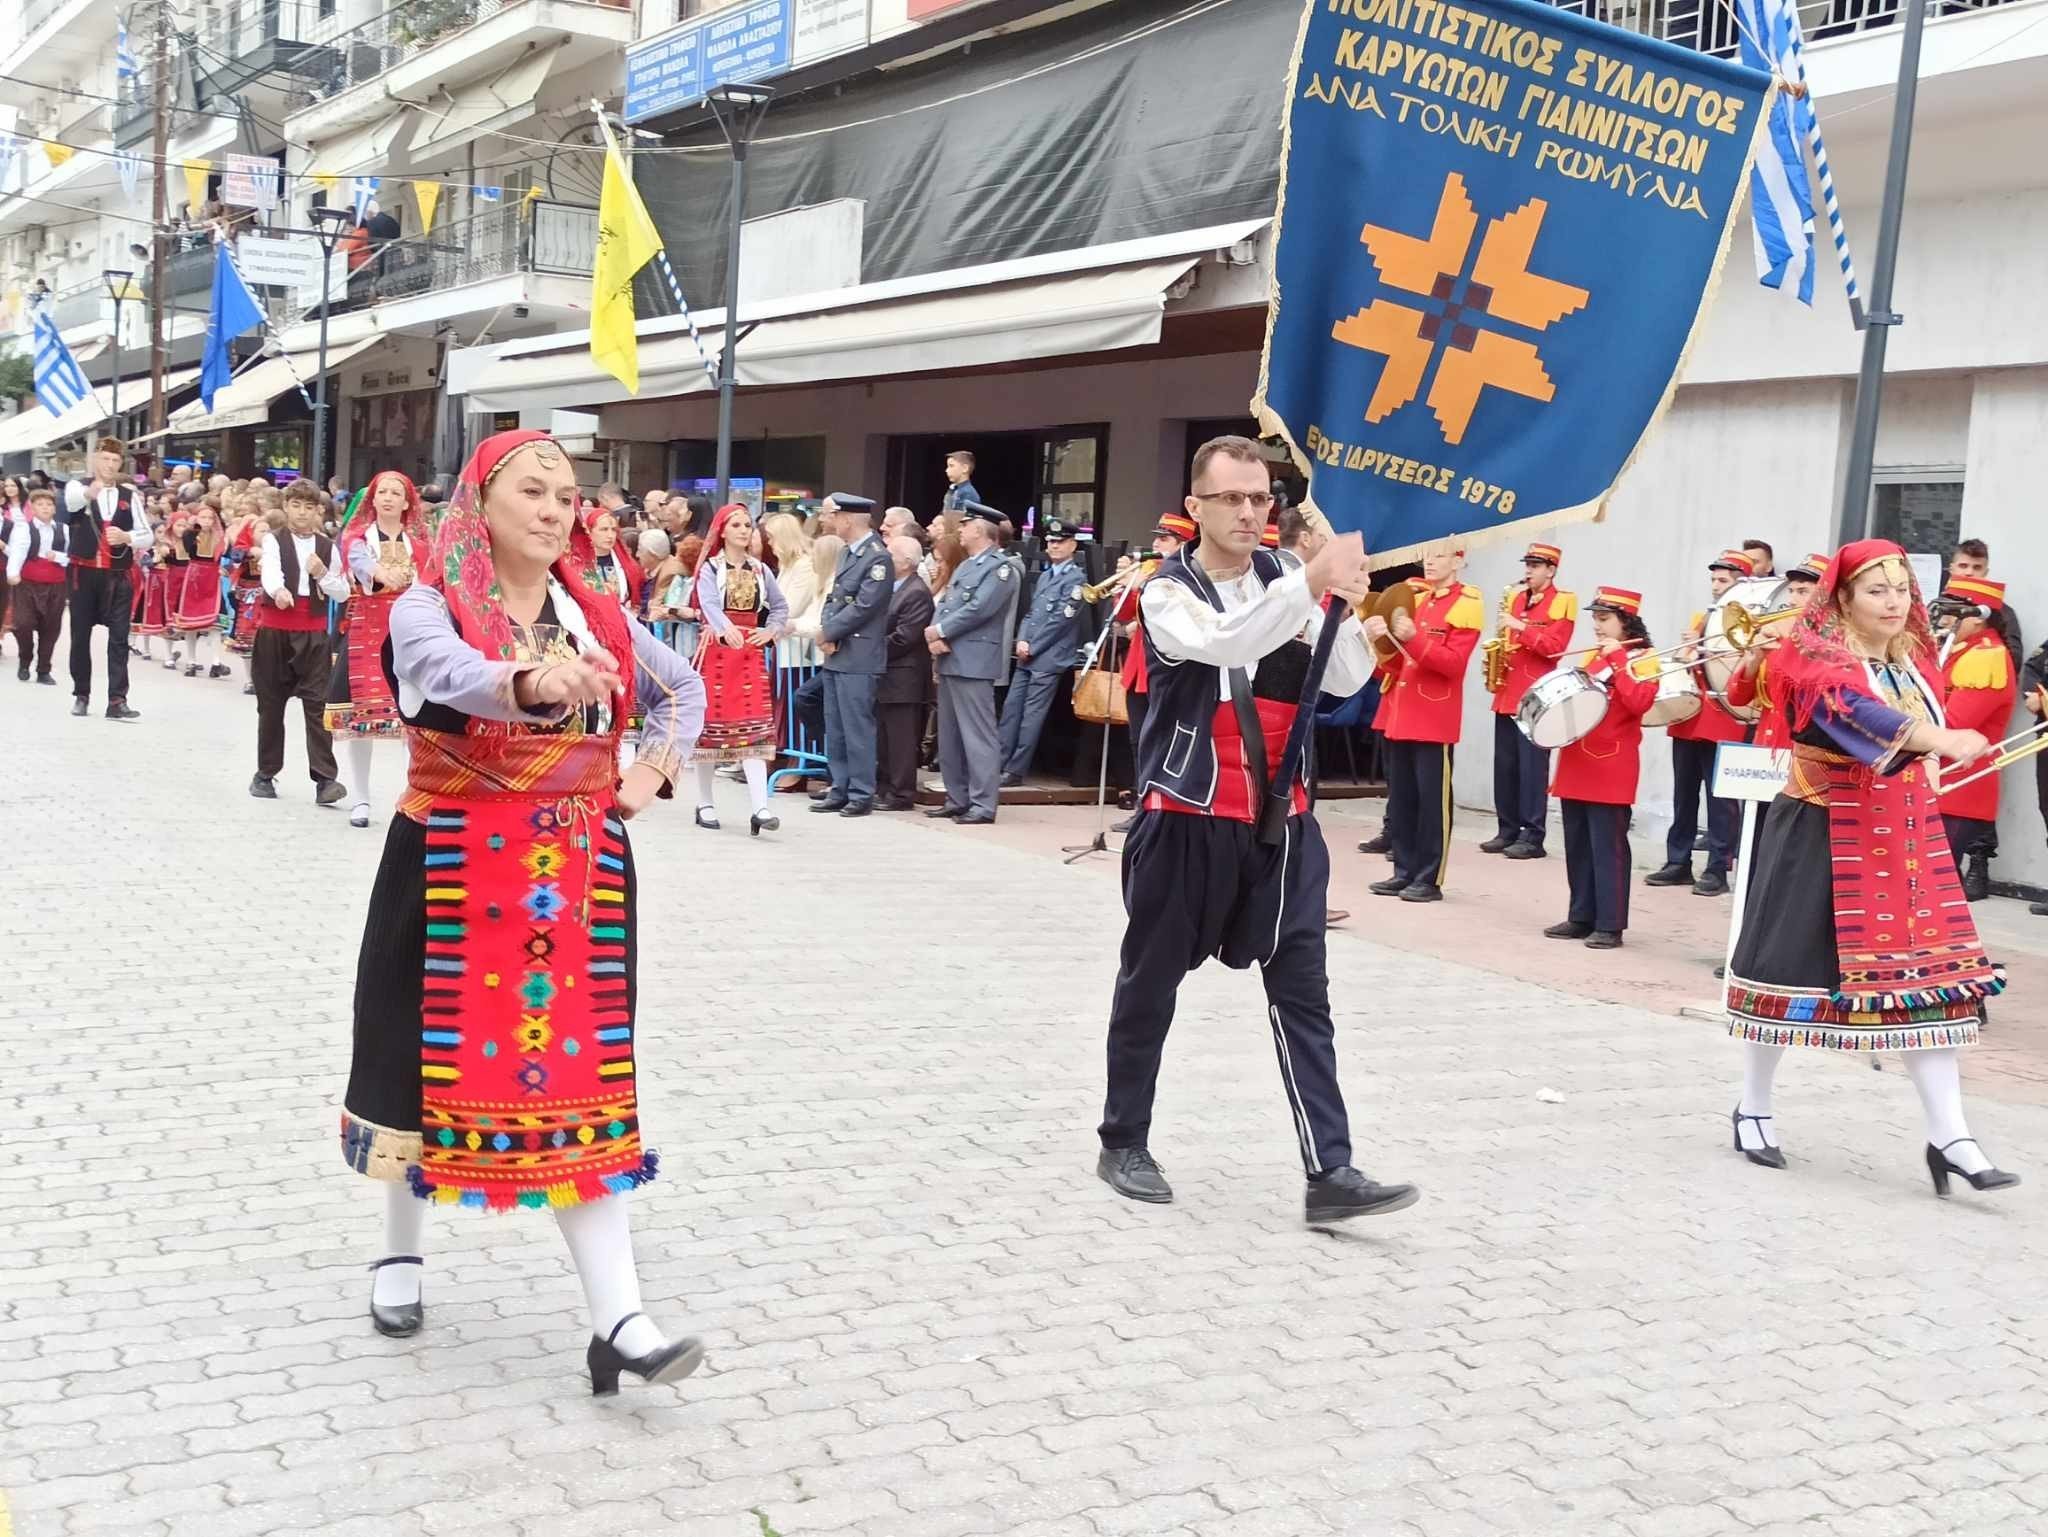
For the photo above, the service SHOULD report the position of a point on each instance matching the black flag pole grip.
(1280, 790)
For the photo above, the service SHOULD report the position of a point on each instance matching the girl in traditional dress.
(161, 585)
(494, 1063)
(1856, 937)
(613, 569)
(245, 565)
(744, 614)
(382, 545)
(195, 609)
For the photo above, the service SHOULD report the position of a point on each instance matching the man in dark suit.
(850, 638)
(906, 684)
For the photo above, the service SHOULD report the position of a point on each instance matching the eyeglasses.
(1237, 501)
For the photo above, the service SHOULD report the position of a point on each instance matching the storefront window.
(280, 454)
(1919, 510)
(1070, 464)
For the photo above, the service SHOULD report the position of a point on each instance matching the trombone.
(1112, 586)
(1739, 627)
(2021, 744)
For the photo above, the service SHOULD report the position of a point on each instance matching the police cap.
(846, 501)
(985, 512)
(1058, 528)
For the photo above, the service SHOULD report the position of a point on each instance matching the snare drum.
(1561, 707)
(1677, 701)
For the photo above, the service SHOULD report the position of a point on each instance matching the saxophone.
(1496, 649)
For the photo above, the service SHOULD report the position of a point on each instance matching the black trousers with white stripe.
(1198, 887)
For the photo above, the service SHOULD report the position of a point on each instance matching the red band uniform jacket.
(1713, 723)
(1981, 690)
(1423, 687)
(1535, 652)
(1603, 765)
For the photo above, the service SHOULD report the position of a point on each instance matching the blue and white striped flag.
(361, 191)
(126, 66)
(1781, 198)
(60, 383)
(489, 194)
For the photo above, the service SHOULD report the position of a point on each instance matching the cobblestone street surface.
(871, 1058)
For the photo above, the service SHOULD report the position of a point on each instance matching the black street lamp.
(739, 110)
(331, 224)
(117, 280)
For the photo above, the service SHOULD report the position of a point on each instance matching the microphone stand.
(1099, 844)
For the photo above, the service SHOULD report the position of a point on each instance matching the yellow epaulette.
(1982, 667)
(1699, 622)
(1564, 605)
(1469, 612)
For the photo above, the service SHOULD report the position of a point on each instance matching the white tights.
(600, 1239)
(1937, 1076)
(199, 652)
(357, 749)
(756, 771)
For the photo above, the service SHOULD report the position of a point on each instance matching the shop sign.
(733, 46)
(279, 262)
(250, 182)
(826, 27)
(389, 381)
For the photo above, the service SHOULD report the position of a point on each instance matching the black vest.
(1176, 751)
(84, 528)
(288, 563)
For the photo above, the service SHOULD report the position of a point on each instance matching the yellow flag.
(626, 242)
(428, 195)
(327, 183)
(536, 192)
(58, 153)
(195, 183)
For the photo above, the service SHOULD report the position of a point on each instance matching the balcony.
(188, 271)
(1708, 26)
(532, 257)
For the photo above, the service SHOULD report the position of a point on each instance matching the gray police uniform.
(1052, 629)
(854, 621)
(970, 619)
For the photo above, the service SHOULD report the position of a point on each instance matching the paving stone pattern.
(926, 1317)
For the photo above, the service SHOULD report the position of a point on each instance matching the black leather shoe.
(1012, 781)
(977, 819)
(1977, 879)
(947, 812)
(824, 794)
(1670, 875)
(1769, 1157)
(2038, 909)
(1345, 1192)
(1132, 1172)
(1497, 844)
(1568, 930)
(707, 819)
(332, 792)
(45, 678)
(118, 710)
(80, 707)
(1378, 844)
(1525, 850)
(1713, 884)
(1604, 939)
(762, 822)
(1392, 886)
(1422, 891)
(1940, 1168)
(21, 672)
(857, 808)
(263, 788)
(671, 1363)
(831, 803)
(405, 1318)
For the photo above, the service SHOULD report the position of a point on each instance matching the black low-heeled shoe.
(671, 1363)
(407, 1317)
(1940, 1168)
(707, 819)
(762, 822)
(1770, 1157)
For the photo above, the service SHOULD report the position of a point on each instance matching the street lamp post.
(739, 110)
(329, 223)
(117, 280)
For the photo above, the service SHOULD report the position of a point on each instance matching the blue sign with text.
(734, 46)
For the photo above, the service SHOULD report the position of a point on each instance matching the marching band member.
(1977, 671)
(1229, 630)
(1597, 774)
(1172, 531)
(1692, 763)
(1751, 684)
(1838, 950)
(1422, 706)
(1537, 629)
(383, 544)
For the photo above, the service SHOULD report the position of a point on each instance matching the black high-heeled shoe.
(762, 822)
(671, 1363)
(1940, 1168)
(404, 1319)
(707, 819)
(1770, 1157)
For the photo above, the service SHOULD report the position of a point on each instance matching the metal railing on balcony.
(1709, 25)
(347, 59)
(541, 237)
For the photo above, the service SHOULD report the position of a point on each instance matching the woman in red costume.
(494, 1061)
(1856, 936)
(195, 603)
(744, 614)
(382, 545)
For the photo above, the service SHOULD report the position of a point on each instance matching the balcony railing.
(541, 237)
(387, 40)
(1709, 25)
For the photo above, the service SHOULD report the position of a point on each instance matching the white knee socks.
(1759, 1064)
(756, 771)
(200, 649)
(705, 779)
(405, 1218)
(1938, 1075)
(600, 1239)
(359, 749)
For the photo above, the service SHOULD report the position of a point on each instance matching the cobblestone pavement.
(926, 1316)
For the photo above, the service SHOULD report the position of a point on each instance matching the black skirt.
(1788, 923)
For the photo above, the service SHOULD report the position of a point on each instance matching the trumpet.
(1111, 586)
(2021, 744)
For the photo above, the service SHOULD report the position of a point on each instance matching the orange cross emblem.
(1448, 329)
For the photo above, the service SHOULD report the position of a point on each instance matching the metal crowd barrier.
(799, 753)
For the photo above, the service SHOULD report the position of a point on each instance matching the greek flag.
(1781, 198)
(60, 383)
(361, 190)
(125, 65)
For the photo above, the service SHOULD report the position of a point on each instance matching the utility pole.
(160, 153)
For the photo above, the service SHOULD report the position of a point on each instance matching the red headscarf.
(463, 572)
(363, 513)
(714, 541)
(626, 563)
(1814, 663)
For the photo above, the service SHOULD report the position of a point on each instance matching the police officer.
(853, 640)
(966, 635)
(1047, 645)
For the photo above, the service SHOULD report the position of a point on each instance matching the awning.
(370, 148)
(476, 110)
(244, 401)
(35, 428)
(1044, 317)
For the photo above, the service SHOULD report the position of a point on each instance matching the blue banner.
(737, 45)
(1499, 227)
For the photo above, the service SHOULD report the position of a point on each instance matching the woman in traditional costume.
(494, 1062)
(613, 569)
(195, 599)
(1856, 937)
(382, 545)
(245, 560)
(743, 614)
